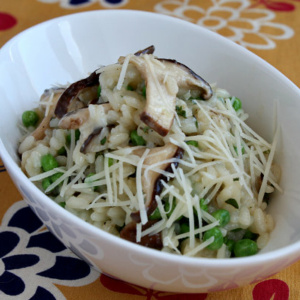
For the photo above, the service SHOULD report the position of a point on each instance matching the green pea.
(30, 118)
(110, 161)
(184, 228)
(103, 141)
(222, 215)
(229, 243)
(88, 176)
(129, 88)
(236, 230)
(77, 136)
(218, 238)
(62, 204)
(155, 215)
(136, 139)
(203, 206)
(62, 151)
(144, 91)
(245, 247)
(180, 111)
(237, 103)
(48, 162)
(46, 183)
(250, 235)
(195, 98)
(55, 176)
(68, 139)
(232, 202)
(192, 143)
(49, 180)
(99, 91)
(169, 209)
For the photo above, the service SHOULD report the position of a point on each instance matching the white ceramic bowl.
(67, 49)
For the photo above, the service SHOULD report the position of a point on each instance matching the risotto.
(147, 150)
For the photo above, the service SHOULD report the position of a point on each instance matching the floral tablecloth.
(33, 263)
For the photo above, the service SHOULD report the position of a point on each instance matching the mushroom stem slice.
(84, 146)
(39, 132)
(76, 118)
(161, 91)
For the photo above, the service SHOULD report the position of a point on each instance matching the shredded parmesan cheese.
(123, 71)
(140, 196)
(268, 167)
(111, 180)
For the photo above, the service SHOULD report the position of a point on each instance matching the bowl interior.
(67, 49)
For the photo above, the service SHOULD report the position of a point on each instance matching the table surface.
(33, 264)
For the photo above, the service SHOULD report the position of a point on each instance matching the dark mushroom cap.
(72, 91)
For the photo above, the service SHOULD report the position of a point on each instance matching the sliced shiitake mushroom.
(152, 186)
(148, 50)
(72, 92)
(74, 119)
(163, 78)
(55, 93)
(187, 78)
(151, 183)
(154, 241)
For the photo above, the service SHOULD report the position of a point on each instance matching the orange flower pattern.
(241, 21)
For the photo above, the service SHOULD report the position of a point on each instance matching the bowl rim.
(259, 258)
(14, 169)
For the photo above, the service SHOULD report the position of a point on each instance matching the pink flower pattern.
(286, 6)
(7, 21)
(274, 289)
